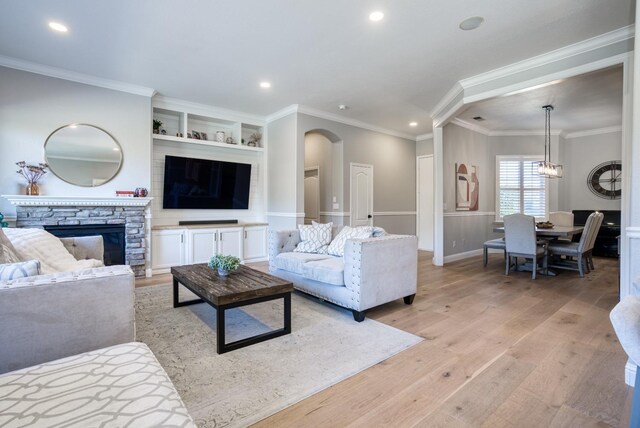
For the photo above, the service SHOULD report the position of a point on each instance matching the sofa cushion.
(313, 237)
(8, 254)
(123, 385)
(11, 271)
(336, 248)
(294, 262)
(38, 244)
(330, 271)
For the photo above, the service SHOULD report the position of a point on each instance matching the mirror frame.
(44, 152)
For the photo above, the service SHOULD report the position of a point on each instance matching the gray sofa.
(52, 316)
(372, 272)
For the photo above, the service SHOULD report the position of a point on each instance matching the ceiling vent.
(479, 118)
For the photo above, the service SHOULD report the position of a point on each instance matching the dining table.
(548, 233)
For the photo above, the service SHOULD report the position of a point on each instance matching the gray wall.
(32, 106)
(318, 151)
(424, 147)
(580, 156)
(393, 161)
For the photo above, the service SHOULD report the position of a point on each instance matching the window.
(519, 187)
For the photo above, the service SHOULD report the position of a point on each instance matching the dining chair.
(561, 218)
(520, 239)
(592, 239)
(579, 249)
(496, 244)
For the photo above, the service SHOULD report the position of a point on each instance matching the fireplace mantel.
(85, 201)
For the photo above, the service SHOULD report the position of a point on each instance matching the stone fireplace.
(132, 213)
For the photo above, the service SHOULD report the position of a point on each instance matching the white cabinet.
(204, 243)
(167, 248)
(230, 242)
(255, 243)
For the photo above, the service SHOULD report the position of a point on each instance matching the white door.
(361, 195)
(230, 242)
(311, 195)
(424, 190)
(255, 242)
(167, 248)
(201, 245)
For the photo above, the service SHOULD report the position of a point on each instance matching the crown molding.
(523, 133)
(448, 98)
(423, 137)
(470, 126)
(293, 108)
(161, 101)
(583, 46)
(73, 76)
(589, 132)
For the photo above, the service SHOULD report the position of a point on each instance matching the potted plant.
(156, 126)
(224, 264)
(32, 173)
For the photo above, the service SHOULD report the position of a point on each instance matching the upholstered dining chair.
(561, 218)
(580, 250)
(592, 239)
(521, 241)
(495, 244)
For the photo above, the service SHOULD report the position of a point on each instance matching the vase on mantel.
(33, 189)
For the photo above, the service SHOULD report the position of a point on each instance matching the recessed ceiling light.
(73, 126)
(58, 27)
(413, 124)
(115, 149)
(265, 85)
(471, 23)
(343, 107)
(376, 16)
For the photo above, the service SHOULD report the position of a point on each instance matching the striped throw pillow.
(9, 271)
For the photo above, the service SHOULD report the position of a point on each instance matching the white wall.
(32, 106)
(424, 147)
(580, 156)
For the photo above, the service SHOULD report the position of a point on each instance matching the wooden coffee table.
(243, 287)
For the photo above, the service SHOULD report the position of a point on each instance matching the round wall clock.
(605, 180)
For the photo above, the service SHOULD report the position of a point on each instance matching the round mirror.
(84, 155)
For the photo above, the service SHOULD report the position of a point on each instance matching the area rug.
(244, 386)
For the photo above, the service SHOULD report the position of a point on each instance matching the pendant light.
(546, 167)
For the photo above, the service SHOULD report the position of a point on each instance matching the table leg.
(220, 327)
(175, 292)
(287, 313)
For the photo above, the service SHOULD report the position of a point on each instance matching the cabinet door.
(255, 242)
(167, 248)
(230, 241)
(202, 245)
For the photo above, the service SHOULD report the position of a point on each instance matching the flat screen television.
(205, 184)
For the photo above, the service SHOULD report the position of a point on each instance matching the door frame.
(418, 199)
(364, 165)
(313, 168)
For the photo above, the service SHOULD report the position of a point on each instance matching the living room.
(261, 100)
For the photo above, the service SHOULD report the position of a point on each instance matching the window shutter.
(520, 188)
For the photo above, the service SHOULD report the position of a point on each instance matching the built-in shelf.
(206, 143)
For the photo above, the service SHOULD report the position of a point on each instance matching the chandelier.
(546, 167)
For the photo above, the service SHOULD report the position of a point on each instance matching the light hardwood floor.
(499, 351)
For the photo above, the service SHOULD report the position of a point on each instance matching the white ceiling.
(585, 102)
(315, 53)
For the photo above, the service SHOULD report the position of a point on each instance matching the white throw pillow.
(336, 248)
(11, 271)
(314, 237)
(7, 252)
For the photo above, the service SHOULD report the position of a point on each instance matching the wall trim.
(448, 98)
(583, 46)
(462, 256)
(335, 214)
(423, 137)
(80, 201)
(633, 232)
(504, 133)
(61, 73)
(470, 214)
(293, 108)
(392, 213)
(160, 101)
(597, 131)
(277, 214)
(471, 126)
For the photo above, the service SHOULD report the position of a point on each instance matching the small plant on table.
(224, 264)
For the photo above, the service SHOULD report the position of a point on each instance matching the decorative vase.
(220, 137)
(156, 131)
(223, 272)
(33, 189)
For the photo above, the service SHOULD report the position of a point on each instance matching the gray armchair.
(520, 239)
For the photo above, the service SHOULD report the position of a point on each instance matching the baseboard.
(160, 271)
(148, 273)
(256, 260)
(630, 373)
(462, 256)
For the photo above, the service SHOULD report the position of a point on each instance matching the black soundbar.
(194, 222)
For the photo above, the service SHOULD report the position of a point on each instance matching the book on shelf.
(125, 193)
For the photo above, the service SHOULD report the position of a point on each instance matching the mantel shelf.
(49, 201)
(206, 143)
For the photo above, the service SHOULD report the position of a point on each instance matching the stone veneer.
(133, 219)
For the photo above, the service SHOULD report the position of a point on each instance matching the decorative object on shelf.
(256, 137)
(251, 144)
(467, 188)
(230, 140)
(189, 135)
(224, 264)
(140, 192)
(179, 134)
(125, 193)
(546, 167)
(163, 132)
(32, 173)
(203, 136)
(242, 141)
(605, 180)
(156, 126)
(196, 135)
(220, 136)
(2, 222)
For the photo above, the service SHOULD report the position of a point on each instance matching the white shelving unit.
(206, 143)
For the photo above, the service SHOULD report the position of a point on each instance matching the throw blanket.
(38, 244)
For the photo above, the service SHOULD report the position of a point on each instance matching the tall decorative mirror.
(84, 155)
